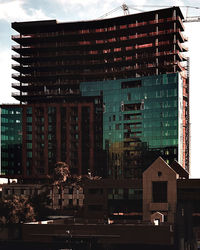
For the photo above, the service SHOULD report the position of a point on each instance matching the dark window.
(129, 96)
(117, 126)
(95, 207)
(95, 191)
(159, 191)
(70, 190)
(132, 106)
(131, 84)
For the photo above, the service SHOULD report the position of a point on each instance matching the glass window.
(29, 110)
(159, 191)
(29, 119)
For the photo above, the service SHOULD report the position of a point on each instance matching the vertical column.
(34, 127)
(46, 140)
(79, 139)
(68, 134)
(24, 150)
(136, 53)
(58, 131)
(91, 134)
(174, 46)
(156, 43)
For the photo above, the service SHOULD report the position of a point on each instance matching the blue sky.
(72, 10)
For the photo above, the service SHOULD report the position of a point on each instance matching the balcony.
(16, 94)
(21, 36)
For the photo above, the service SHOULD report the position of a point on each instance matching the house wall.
(161, 172)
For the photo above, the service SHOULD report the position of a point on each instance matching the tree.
(16, 209)
(40, 204)
(61, 173)
(63, 178)
(60, 178)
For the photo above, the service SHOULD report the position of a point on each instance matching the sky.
(74, 10)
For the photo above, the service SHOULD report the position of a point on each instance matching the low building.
(165, 206)
(71, 196)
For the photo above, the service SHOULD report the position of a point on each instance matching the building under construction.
(123, 82)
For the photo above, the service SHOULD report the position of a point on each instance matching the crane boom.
(192, 19)
(125, 9)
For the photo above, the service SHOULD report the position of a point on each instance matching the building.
(128, 70)
(11, 140)
(142, 119)
(164, 207)
(54, 58)
(52, 132)
(107, 198)
(71, 197)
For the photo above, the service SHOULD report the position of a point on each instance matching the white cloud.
(15, 11)
(5, 66)
(90, 9)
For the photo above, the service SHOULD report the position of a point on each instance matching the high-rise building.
(142, 119)
(133, 69)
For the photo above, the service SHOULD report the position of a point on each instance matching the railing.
(104, 41)
(22, 36)
(99, 72)
(19, 47)
(20, 56)
(20, 75)
(15, 65)
(17, 84)
(46, 93)
(19, 94)
(99, 30)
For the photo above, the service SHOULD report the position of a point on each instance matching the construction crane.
(126, 8)
(192, 19)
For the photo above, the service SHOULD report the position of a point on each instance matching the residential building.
(69, 132)
(125, 77)
(54, 58)
(11, 140)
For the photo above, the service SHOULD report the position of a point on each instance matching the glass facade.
(141, 120)
(11, 140)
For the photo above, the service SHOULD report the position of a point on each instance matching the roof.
(49, 25)
(179, 169)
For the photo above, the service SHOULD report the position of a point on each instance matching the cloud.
(15, 11)
(90, 9)
(5, 66)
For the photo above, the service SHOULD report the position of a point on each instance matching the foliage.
(62, 178)
(16, 209)
(61, 173)
(40, 203)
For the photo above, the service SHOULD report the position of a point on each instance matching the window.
(95, 207)
(117, 126)
(159, 191)
(95, 191)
